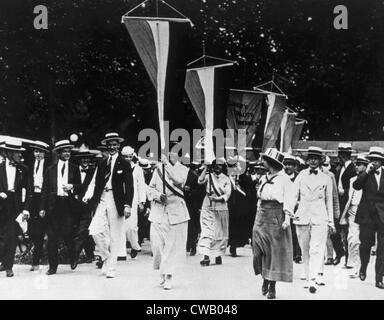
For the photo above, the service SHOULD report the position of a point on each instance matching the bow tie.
(84, 170)
(377, 172)
(314, 171)
(12, 164)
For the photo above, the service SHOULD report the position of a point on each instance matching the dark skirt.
(271, 245)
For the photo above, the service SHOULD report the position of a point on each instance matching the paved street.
(136, 280)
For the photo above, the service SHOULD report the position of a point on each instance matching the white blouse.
(278, 187)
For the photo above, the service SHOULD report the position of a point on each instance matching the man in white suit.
(138, 202)
(314, 216)
(169, 217)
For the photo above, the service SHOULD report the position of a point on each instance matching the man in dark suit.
(14, 195)
(58, 207)
(82, 239)
(112, 200)
(36, 225)
(370, 214)
(347, 171)
(193, 202)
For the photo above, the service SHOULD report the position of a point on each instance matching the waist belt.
(271, 203)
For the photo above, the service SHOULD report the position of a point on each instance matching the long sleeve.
(91, 187)
(45, 191)
(128, 183)
(336, 204)
(360, 181)
(227, 190)
(141, 186)
(329, 199)
(289, 196)
(153, 192)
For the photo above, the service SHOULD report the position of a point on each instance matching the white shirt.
(139, 186)
(82, 174)
(340, 185)
(38, 176)
(281, 190)
(11, 175)
(108, 185)
(62, 179)
(378, 177)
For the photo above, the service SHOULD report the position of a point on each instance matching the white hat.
(144, 163)
(362, 159)
(288, 158)
(11, 143)
(300, 161)
(376, 153)
(274, 155)
(40, 145)
(128, 151)
(315, 151)
(345, 147)
(112, 136)
(62, 144)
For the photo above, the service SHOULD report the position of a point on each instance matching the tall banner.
(244, 112)
(298, 129)
(207, 91)
(287, 129)
(161, 45)
(276, 110)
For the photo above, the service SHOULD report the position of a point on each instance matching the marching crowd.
(103, 202)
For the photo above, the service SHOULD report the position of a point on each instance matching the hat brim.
(12, 149)
(375, 157)
(40, 148)
(119, 139)
(280, 164)
(84, 155)
(309, 154)
(70, 146)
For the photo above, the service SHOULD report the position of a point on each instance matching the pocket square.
(119, 171)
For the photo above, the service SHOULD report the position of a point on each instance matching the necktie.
(108, 170)
(314, 171)
(63, 170)
(83, 170)
(38, 166)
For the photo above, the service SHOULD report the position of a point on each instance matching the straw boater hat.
(361, 159)
(219, 161)
(62, 144)
(315, 151)
(112, 136)
(300, 161)
(12, 144)
(289, 159)
(84, 152)
(345, 147)
(40, 145)
(275, 156)
(376, 153)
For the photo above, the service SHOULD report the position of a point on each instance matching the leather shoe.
(205, 262)
(312, 289)
(99, 263)
(193, 252)
(329, 262)
(50, 272)
(133, 253)
(233, 252)
(218, 260)
(264, 288)
(337, 260)
(362, 275)
(10, 273)
(74, 265)
(271, 294)
(380, 284)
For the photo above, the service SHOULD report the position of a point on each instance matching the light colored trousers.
(107, 230)
(131, 229)
(353, 242)
(168, 243)
(313, 242)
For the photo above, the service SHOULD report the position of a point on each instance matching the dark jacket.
(348, 173)
(21, 181)
(122, 184)
(372, 199)
(49, 191)
(87, 180)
